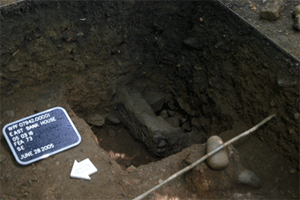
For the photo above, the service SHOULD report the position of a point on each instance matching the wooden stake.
(206, 156)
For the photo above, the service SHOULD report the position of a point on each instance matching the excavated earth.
(165, 76)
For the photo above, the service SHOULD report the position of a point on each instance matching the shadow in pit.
(122, 147)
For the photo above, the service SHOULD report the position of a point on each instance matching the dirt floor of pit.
(42, 180)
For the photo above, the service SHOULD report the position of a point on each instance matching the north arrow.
(83, 169)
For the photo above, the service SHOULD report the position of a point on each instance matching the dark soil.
(220, 73)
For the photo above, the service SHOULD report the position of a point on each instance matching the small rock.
(182, 120)
(198, 67)
(272, 103)
(219, 160)
(111, 133)
(297, 116)
(249, 178)
(296, 11)
(292, 131)
(157, 137)
(15, 66)
(171, 113)
(191, 42)
(186, 126)
(171, 104)
(272, 10)
(164, 114)
(161, 150)
(80, 34)
(296, 24)
(131, 168)
(9, 113)
(162, 143)
(174, 121)
(2, 75)
(112, 119)
(96, 120)
(196, 122)
(185, 106)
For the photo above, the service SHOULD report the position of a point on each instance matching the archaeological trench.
(146, 83)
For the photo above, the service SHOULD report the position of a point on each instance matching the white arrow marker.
(83, 169)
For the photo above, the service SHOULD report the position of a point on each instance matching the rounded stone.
(162, 143)
(112, 119)
(296, 11)
(164, 114)
(249, 178)
(96, 120)
(171, 113)
(296, 24)
(14, 67)
(219, 160)
(161, 150)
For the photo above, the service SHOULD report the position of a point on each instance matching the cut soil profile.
(164, 76)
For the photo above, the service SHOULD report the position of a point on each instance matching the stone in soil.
(272, 10)
(191, 42)
(196, 122)
(186, 126)
(249, 178)
(15, 66)
(185, 106)
(96, 120)
(219, 160)
(164, 114)
(296, 11)
(296, 24)
(174, 121)
(204, 179)
(171, 113)
(144, 125)
(112, 119)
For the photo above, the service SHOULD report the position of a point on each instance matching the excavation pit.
(193, 69)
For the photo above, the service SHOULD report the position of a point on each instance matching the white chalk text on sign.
(41, 135)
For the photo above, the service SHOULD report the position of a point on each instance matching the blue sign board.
(41, 135)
